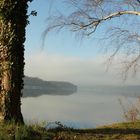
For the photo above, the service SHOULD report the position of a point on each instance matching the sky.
(64, 57)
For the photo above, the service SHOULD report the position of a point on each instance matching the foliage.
(13, 20)
(121, 131)
(10, 131)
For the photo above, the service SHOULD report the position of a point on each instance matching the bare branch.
(138, 1)
(113, 15)
(88, 15)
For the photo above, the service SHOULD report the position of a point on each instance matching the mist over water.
(91, 105)
(85, 109)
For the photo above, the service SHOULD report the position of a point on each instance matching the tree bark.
(13, 20)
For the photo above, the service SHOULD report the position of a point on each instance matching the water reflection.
(83, 109)
(35, 87)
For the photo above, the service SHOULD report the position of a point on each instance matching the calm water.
(84, 109)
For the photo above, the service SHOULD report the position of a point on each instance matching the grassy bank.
(12, 131)
(121, 131)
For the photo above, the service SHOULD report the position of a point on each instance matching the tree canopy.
(120, 19)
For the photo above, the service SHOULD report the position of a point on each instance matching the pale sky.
(64, 57)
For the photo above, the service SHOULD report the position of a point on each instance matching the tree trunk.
(13, 20)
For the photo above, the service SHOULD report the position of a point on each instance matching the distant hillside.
(34, 87)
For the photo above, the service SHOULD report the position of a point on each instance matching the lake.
(84, 109)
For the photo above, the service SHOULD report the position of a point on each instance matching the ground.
(120, 131)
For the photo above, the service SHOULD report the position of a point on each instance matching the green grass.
(12, 131)
(124, 125)
(118, 131)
